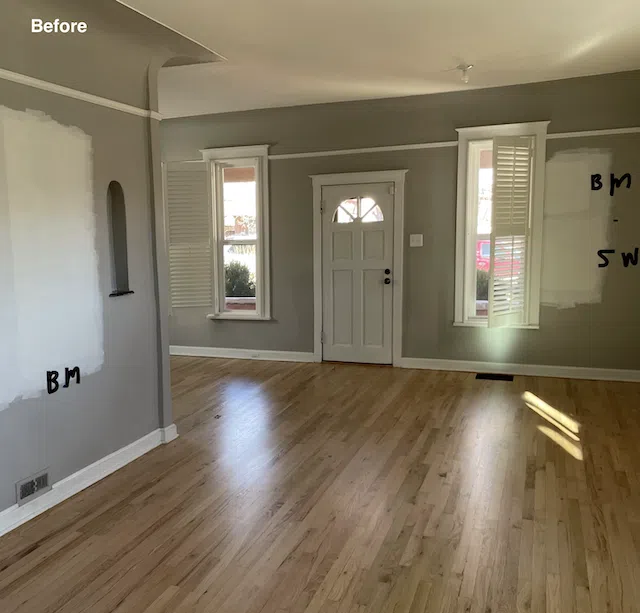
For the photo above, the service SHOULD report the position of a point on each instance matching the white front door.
(357, 275)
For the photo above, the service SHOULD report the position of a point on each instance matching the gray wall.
(599, 335)
(75, 427)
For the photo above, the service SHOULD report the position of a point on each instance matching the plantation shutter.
(189, 232)
(512, 163)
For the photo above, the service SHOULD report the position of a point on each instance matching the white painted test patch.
(576, 221)
(50, 303)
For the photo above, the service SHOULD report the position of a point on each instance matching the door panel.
(357, 248)
(343, 292)
(342, 246)
(373, 244)
(372, 309)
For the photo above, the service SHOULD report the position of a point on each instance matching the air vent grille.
(494, 376)
(31, 488)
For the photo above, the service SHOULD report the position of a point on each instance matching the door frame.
(350, 178)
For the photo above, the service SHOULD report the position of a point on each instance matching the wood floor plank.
(335, 488)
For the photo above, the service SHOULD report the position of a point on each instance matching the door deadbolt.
(387, 281)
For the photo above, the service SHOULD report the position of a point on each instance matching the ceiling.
(289, 52)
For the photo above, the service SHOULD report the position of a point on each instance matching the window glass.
(240, 203)
(374, 214)
(239, 237)
(239, 277)
(481, 160)
(347, 211)
(364, 209)
(485, 187)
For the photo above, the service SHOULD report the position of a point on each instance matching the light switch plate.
(416, 240)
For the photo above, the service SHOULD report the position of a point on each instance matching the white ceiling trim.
(605, 132)
(315, 154)
(61, 90)
(442, 144)
(433, 145)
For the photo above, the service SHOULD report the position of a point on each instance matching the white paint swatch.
(50, 302)
(576, 222)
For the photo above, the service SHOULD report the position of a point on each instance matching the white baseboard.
(533, 370)
(15, 516)
(244, 354)
(169, 433)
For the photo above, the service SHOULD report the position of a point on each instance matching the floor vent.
(31, 488)
(494, 377)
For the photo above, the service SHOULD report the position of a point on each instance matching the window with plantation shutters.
(189, 241)
(511, 201)
(499, 225)
(217, 230)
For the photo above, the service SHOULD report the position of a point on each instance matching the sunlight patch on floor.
(567, 428)
(567, 445)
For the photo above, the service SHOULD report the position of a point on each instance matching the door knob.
(387, 281)
(387, 271)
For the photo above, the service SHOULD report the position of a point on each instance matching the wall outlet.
(416, 240)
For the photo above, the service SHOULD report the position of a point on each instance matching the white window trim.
(465, 135)
(263, 277)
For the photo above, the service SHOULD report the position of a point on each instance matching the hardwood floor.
(317, 488)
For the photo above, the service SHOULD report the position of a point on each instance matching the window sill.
(238, 317)
(483, 324)
(120, 293)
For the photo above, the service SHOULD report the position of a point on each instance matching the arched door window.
(358, 209)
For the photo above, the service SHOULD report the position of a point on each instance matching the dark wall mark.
(69, 374)
(614, 182)
(605, 259)
(628, 258)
